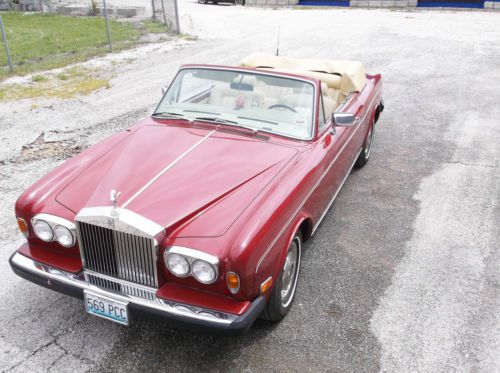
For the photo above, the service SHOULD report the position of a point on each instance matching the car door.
(341, 147)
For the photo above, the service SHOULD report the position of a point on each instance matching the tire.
(202, 1)
(367, 148)
(281, 299)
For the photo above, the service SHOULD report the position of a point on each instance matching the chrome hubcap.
(289, 274)
(368, 146)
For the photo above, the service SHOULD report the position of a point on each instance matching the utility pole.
(176, 8)
(4, 37)
(107, 25)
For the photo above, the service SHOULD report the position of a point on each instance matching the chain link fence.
(44, 34)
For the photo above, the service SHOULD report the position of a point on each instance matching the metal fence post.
(177, 24)
(107, 25)
(4, 37)
(164, 14)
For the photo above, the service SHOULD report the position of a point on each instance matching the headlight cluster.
(183, 262)
(50, 228)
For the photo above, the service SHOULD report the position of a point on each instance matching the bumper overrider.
(179, 314)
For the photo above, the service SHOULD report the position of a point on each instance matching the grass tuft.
(65, 85)
(154, 26)
(38, 78)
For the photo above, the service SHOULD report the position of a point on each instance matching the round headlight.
(204, 272)
(43, 230)
(177, 264)
(64, 236)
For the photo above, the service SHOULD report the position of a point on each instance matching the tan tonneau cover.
(352, 73)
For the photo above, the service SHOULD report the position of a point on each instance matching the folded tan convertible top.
(347, 76)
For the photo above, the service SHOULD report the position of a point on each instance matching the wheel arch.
(376, 114)
(302, 224)
(306, 228)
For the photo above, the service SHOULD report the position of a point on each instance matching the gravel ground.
(403, 273)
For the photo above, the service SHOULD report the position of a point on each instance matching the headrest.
(331, 80)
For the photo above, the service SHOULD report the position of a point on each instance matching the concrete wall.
(116, 8)
(22, 4)
(384, 3)
(353, 3)
(271, 2)
(492, 5)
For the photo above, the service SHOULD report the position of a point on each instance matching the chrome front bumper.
(184, 314)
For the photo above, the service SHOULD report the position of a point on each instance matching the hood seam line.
(162, 172)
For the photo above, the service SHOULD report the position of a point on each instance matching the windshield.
(259, 102)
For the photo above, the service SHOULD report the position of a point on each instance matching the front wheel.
(367, 148)
(202, 1)
(283, 294)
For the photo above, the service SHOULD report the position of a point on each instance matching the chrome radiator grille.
(118, 254)
(120, 288)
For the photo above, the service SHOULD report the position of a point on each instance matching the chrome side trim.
(344, 103)
(172, 164)
(335, 195)
(313, 189)
(161, 305)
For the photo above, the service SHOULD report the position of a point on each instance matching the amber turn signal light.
(266, 285)
(233, 282)
(23, 226)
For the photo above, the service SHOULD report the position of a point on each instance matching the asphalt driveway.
(403, 274)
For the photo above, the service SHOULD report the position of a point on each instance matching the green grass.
(154, 26)
(44, 41)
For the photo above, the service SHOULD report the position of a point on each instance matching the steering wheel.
(282, 106)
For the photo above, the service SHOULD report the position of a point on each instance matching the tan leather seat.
(297, 100)
(224, 95)
(330, 99)
(273, 95)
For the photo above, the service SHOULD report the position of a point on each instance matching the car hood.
(173, 174)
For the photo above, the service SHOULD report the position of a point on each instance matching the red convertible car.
(198, 213)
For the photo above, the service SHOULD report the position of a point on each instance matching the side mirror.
(344, 119)
(164, 90)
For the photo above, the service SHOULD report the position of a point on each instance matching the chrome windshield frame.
(265, 73)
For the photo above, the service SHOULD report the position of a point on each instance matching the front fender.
(274, 259)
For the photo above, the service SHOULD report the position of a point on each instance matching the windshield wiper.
(259, 120)
(166, 114)
(225, 122)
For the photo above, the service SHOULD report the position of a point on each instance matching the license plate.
(107, 308)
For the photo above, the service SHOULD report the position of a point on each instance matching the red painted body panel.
(236, 196)
(221, 167)
(51, 257)
(187, 295)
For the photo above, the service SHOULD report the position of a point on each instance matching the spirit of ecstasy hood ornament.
(114, 198)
